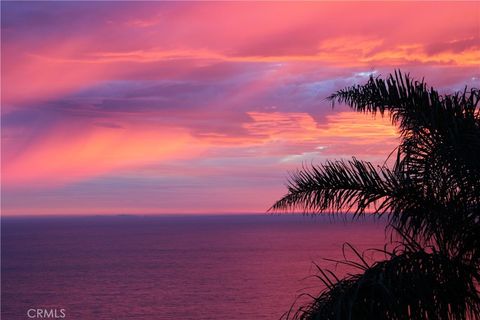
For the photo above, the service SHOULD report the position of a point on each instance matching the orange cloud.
(65, 156)
(301, 126)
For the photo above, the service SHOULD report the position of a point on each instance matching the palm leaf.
(409, 285)
(431, 197)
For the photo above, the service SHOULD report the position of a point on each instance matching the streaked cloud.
(137, 107)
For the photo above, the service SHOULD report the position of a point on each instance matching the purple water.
(187, 267)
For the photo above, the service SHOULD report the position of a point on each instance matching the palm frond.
(411, 284)
(431, 197)
(410, 103)
(341, 186)
(435, 129)
(439, 154)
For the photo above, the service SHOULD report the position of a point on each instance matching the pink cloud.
(330, 33)
(224, 97)
(69, 154)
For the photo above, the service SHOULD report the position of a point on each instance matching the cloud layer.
(199, 107)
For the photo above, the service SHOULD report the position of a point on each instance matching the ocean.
(170, 267)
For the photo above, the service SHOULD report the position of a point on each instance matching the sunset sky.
(181, 107)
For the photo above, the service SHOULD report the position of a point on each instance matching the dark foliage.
(409, 285)
(431, 196)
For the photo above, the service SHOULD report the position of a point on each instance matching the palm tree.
(430, 198)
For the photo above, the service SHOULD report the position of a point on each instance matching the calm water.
(201, 267)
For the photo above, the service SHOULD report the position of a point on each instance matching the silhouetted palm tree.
(430, 196)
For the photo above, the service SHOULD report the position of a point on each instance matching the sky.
(203, 107)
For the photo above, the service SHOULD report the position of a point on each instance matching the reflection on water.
(188, 267)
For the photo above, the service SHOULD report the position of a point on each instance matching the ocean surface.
(170, 267)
